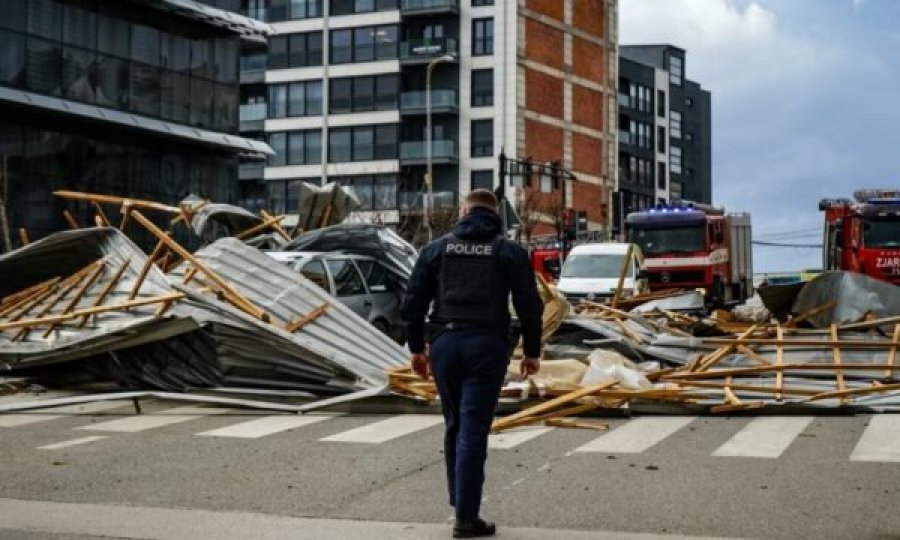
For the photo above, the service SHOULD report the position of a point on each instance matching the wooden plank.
(745, 406)
(553, 404)
(145, 269)
(892, 354)
(806, 343)
(66, 287)
(623, 269)
(811, 313)
(326, 216)
(269, 223)
(573, 423)
(233, 296)
(79, 294)
(718, 355)
(107, 289)
(750, 388)
(276, 225)
(753, 355)
(838, 373)
(562, 413)
(308, 318)
(23, 236)
(11, 302)
(111, 199)
(192, 211)
(755, 370)
(102, 215)
(92, 311)
(779, 361)
(855, 392)
(189, 275)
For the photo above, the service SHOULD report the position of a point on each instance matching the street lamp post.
(429, 197)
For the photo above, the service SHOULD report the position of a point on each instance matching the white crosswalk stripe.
(52, 413)
(514, 437)
(636, 436)
(143, 422)
(388, 429)
(267, 425)
(764, 437)
(880, 442)
(73, 442)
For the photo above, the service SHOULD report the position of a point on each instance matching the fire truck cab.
(691, 245)
(863, 235)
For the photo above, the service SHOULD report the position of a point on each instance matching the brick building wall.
(567, 62)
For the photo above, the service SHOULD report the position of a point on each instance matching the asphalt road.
(383, 477)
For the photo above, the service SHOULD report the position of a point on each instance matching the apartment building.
(340, 95)
(134, 97)
(665, 148)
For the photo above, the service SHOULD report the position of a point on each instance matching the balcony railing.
(251, 112)
(440, 100)
(441, 150)
(414, 7)
(423, 50)
(625, 101)
(411, 202)
(624, 137)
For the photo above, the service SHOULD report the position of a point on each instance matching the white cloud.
(732, 50)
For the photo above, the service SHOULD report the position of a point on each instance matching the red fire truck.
(864, 235)
(689, 245)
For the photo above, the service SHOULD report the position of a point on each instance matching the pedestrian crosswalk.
(767, 437)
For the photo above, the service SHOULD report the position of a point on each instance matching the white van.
(591, 271)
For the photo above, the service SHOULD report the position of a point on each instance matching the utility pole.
(429, 184)
(4, 191)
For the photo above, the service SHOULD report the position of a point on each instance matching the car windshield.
(593, 266)
(882, 233)
(683, 239)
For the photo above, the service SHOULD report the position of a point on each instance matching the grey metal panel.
(172, 130)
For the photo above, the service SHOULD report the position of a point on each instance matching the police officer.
(466, 277)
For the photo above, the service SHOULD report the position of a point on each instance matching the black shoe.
(473, 528)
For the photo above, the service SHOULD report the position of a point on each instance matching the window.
(339, 148)
(315, 272)
(44, 18)
(295, 50)
(661, 175)
(112, 36)
(476, 3)
(79, 26)
(295, 99)
(386, 140)
(145, 44)
(364, 94)
(483, 179)
(364, 44)
(676, 69)
(341, 98)
(341, 46)
(387, 90)
(374, 274)
(363, 143)
(689, 101)
(347, 281)
(482, 37)
(283, 10)
(661, 103)
(278, 52)
(278, 142)
(482, 87)
(385, 191)
(675, 159)
(12, 58)
(689, 137)
(482, 138)
(367, 93)
(144, 89)
(661, 139)
(675, 124)
(12, 15)
(42, 61)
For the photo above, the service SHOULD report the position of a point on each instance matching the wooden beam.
(11, 302)
(106, 290)
(892, 354)
(779, 361)
(806, 343)
(70, 219)
(277, 225)
(623, 269)
(79, 294)
(756, 370)
(103, 217)
(145, 269)
(326, 216)
(838, 373)
(260, 227)
(308, 318)
(718, 355)
(65, 288)
(562, 413)
(748, 387)
(855, 392)
(23, 236)
(553, 404)
(744, 406)
(92, 311)
(572, 423)
(118, 201)
(811, 313)
(233, 296)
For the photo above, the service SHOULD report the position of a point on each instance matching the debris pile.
(225, 317)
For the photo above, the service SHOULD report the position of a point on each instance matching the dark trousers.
(469, 367)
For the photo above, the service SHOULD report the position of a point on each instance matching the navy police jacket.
(480, 225)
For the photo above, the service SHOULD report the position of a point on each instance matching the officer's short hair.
(482, 198)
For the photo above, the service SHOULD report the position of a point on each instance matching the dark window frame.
(482, 147)
(483, 36)
(484, 96)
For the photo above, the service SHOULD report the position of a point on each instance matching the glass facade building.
(125, 97)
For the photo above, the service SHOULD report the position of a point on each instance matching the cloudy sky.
(806, 103)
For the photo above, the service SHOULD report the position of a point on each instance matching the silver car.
(360, 282)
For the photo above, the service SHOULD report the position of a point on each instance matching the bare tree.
(443, 219)
(552, 208)
(530, 209)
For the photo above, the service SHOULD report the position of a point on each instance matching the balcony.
(625, 137)
(414, 8)
(253, 68)
(411, 202)
(422, 51)
(252, 116)
(251, 171)
(442, 151)
(442, 101)
(625, 101)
